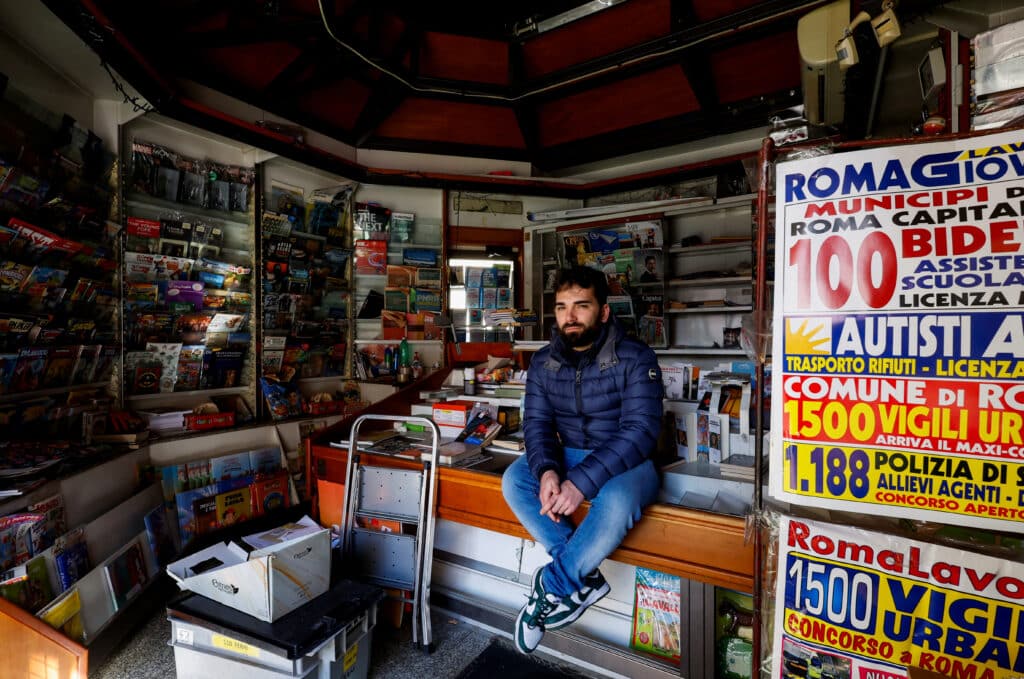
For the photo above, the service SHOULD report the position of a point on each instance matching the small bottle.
(417, 366)
(389, 360)
(404, 354)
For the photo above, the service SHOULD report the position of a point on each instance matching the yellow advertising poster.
(898, 371)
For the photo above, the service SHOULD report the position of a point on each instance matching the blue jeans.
(576, 551)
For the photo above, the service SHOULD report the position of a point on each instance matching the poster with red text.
(857, 604)
(898, 357)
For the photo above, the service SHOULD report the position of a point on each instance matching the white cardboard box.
(266, 583)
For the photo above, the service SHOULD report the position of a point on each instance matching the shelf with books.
(700, 351)
(188, 283)
(716, 309)
(306, 285)
(735, 247)
(629, 248)
(397, 286)
(135, 201)
(431, 342)
(139, 400)
(709, 281)
(104, 523)
(53, 391)
(58, 285)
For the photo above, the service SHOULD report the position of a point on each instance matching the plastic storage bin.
(329, 638)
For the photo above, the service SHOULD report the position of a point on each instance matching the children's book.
(271, 493)
(656, 614)
(233, 507)
(265, 460)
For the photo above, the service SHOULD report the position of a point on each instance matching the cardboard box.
(452, 413)
(266, 583)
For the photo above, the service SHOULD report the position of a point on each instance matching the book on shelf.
(741, 466)
(369, 438)
(456, 452)
(28, 585)
(70, 557)
(56, 517)
(233, 507)
(481, 425)
(65, 614)
(126, 574)
(484, 433)
(510, 443)
(270, 493)
(407, 447)
(159, 535)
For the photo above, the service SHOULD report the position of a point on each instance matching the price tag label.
(235, 646)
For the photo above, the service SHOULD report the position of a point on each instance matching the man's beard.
(583, 338)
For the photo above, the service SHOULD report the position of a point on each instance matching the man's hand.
(549, 490)
(568, 499)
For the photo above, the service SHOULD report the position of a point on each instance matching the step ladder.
(396, 560)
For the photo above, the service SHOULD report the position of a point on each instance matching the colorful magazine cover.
(27, 586)
(65, 614)
(656, 614)
(70, 557)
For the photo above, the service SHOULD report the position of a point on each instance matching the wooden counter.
(697, 545)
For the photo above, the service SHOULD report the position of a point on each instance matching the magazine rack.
(402, 501)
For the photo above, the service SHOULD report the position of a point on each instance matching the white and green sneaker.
(531, 619)
(571, 607)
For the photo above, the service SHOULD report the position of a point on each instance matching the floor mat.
(500, 659)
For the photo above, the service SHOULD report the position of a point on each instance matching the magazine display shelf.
(105, 501)
(101, 501)
(198, 359)
(304, 277)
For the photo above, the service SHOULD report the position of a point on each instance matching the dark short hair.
(651, 258)
(586, 278)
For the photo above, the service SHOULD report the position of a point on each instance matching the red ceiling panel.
(743, 71)
(453, 122)
(214, 22)
(708, 10)
(459, 57)
(663, 93)
(338, 103)
(253, 66)
(599, 34)
(304, 7)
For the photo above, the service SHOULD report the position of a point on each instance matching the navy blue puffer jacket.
(611, 403)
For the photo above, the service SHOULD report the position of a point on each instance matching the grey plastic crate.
(209, 652)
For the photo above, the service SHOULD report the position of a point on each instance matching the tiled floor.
(147, 655)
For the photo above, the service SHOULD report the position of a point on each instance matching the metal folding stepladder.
(397, 559)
